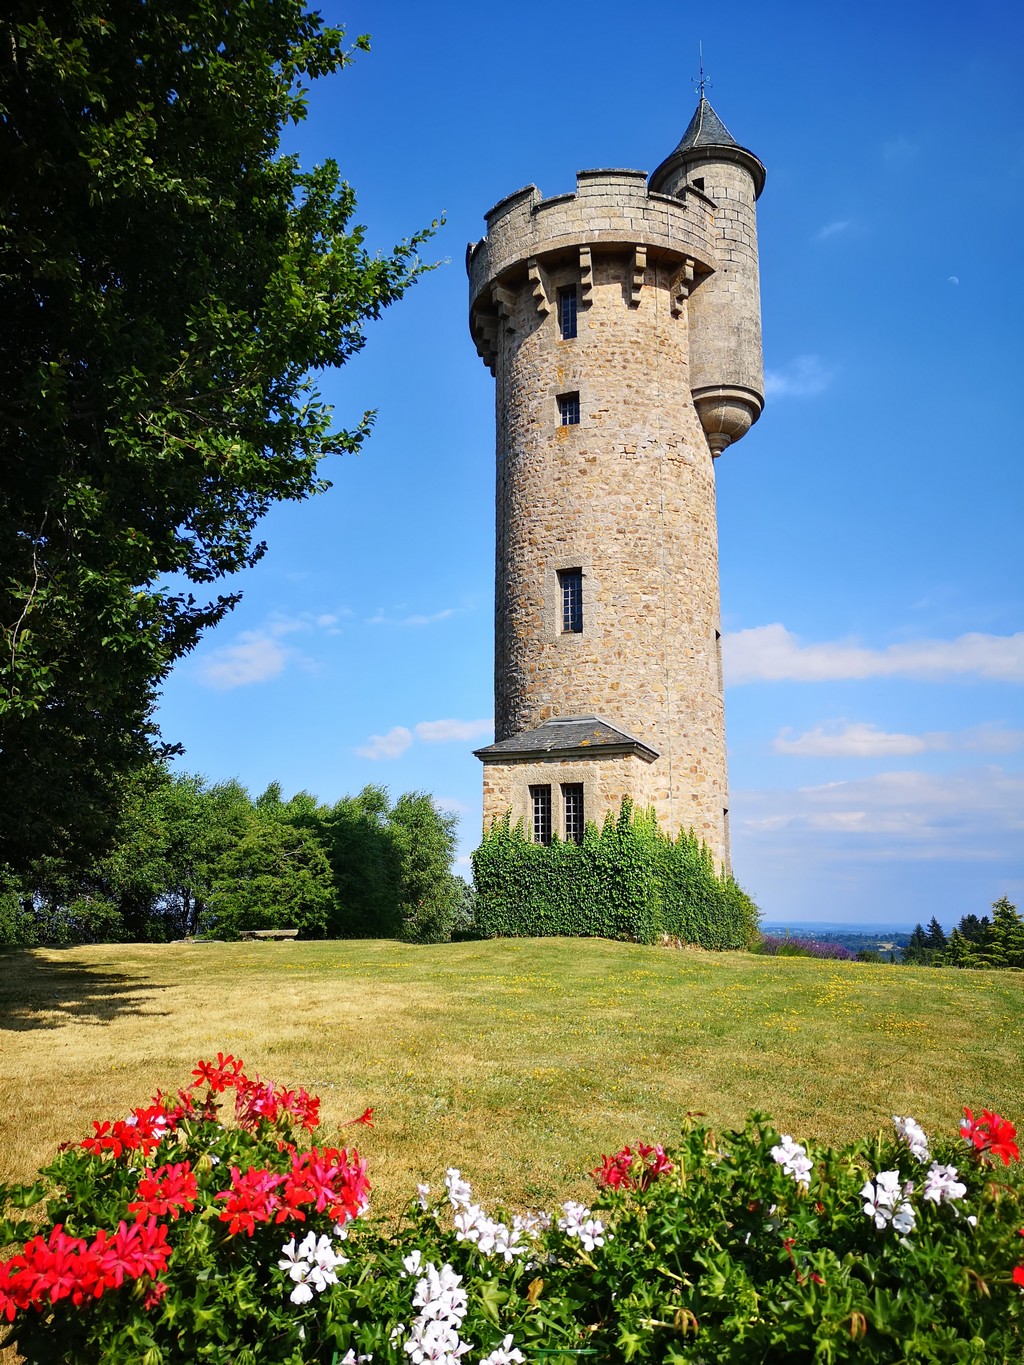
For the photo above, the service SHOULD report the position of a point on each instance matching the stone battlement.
(610, 209)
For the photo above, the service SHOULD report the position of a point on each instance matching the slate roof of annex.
(565, 734)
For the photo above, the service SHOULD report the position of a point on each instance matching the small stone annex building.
(622, 326)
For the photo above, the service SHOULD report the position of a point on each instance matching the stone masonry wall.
(606, 780)
(628, 496)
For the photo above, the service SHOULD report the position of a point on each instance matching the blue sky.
(869, 525)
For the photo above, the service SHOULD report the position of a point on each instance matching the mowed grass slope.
(520, 1061)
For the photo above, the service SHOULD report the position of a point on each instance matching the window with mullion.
(567, 312)
(569, 409)
(541, 799)
(572, 802)
(571, 583)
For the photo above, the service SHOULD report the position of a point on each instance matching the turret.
(726, 368)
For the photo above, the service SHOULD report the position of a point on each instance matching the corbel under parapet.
(485, 334)
(505, 302)
(586, 277)
(537, 286)
(639, 270)
(680, 286)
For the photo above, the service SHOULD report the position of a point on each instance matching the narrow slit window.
(572, 799)
(571, 583)
(569, 409)
(567, 312)
(541, 798)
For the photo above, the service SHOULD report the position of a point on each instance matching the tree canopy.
(194, 858)
(170, 279)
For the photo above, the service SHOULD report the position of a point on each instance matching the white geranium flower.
(412, 1263)
(793, 1159)
(941, 1185)
(422, 1192)
(884, 1201)
(505, 1354)
(301, 1293)
(460, 1194)
(911, 1132)
(903, 1218)
(582, 1225)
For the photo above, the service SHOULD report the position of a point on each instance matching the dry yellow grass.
(519, 1061)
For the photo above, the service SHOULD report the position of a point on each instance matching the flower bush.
(205, 1228)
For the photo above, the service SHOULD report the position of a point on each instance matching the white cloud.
(832, 229)
(975, 815)
(380, 618)
(774, 654)
(256, 656)
(800, 378)
(391, 745)
(444, 731)
(399, 738)
(860, 740)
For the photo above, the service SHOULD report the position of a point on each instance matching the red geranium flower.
(991, 1135)
(220, 1075)
(166, 1190)
(629, 1170)
(250, 1200)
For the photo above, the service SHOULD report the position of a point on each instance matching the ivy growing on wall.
(627, 880)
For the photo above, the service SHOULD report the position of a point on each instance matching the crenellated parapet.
(612, 211)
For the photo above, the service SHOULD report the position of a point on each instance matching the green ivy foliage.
(628, 880)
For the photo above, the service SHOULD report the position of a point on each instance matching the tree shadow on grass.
(40, 993)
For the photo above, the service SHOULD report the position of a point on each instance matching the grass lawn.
(520, 1061)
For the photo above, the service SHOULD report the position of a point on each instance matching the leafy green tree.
(366, 862)
(275, 876)
(430, 897)
(170, 280)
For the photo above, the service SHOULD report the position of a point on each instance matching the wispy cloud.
(774, 654)
(259, 655)
(803, 377)
(444, 731)
(399, 737)
(380, 618)
(861, 740)
(255, 656)
(832, 229)
(391, 745)
(974, 815)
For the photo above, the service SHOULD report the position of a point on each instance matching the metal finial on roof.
(701, 82)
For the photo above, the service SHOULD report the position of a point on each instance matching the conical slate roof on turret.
(706, 129)
(706, 135)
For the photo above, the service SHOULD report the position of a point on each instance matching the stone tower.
(622, 326)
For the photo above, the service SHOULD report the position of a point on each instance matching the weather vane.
(702, 82)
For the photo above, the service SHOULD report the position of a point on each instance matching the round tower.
(726, 370)
(608, 678)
